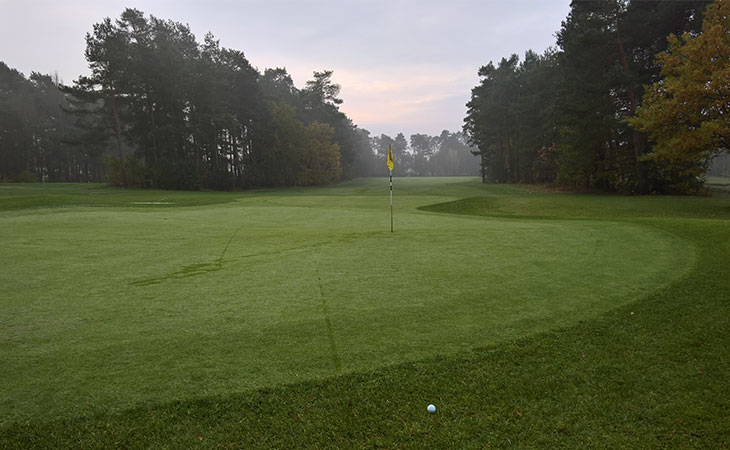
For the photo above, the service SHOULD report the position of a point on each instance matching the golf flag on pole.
(390, 168)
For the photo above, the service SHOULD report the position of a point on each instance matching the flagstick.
(391, 201)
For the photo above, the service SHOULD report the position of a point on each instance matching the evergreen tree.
(590, 145)
(36, 135)
(491, 122)
(197, 115)
(423, 147)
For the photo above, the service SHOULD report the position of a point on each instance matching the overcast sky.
(404, 66)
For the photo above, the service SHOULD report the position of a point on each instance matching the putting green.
(103, 308)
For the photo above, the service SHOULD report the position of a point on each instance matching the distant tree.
(535, 114)
(55, 158)
(453, 157)
(320, 102)
(108, 55)
(36, 135)
(368, 163)
(277, 85)
(296, 154)
(319, 157)
(93, 131)
(274, 161)
(15, 122)
(512, 114)
(189, 110)
(180, 114)
(589, 116)
(160, 81)
(423, 147)
(491, 124)
(226, 115)
(402, 154)
(686, 112)
(321, 91)
(448, 154)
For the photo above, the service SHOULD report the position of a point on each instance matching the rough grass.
(646, 367)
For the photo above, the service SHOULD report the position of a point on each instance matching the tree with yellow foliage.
(686, 112)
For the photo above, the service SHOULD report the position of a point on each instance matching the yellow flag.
(390, 158)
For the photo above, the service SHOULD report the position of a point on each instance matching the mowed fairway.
(141, 299)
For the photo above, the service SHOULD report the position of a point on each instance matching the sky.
(404, 65)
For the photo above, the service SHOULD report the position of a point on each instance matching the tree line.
(199, 115)
(448, 154)
(160, 109)
(593, 112)
(36, 135)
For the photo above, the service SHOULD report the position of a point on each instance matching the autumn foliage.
(686, 112)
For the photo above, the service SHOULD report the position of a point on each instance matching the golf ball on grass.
(431, 408)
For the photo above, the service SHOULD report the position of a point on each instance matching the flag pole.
(391, 201)
(390, 168)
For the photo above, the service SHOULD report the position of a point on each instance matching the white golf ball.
(431, 408)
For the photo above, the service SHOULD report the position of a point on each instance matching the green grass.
(292, 317)
(24, 196)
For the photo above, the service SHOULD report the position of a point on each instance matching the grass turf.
(538, 371)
